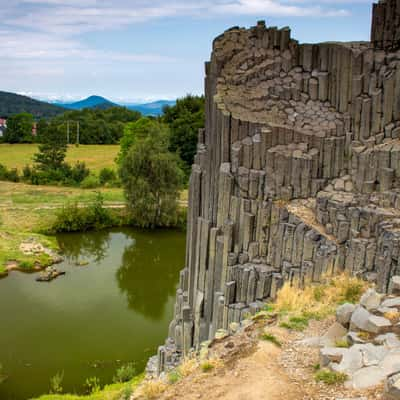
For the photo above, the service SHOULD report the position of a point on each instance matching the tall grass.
(298, 306)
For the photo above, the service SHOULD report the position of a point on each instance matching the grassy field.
(95, 156)
(27, 211)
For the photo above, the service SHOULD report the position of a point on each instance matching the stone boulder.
(392, 387)
(366, 378)
(389, 340)
(392, 303)
(377, 324)
(344, 312)
(359, 319)
(331, 354)
(371, 300)
(394, 286)
(333, 334)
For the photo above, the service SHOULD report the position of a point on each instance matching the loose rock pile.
(364, 343)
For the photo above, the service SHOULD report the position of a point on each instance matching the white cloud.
(77, 16)
(41, 40)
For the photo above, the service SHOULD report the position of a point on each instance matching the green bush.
(79, 172)
(56, 383)
(125, 373)
(92, 385)
(90, 182)
(107, 175)
(8, 174)
(73, 218)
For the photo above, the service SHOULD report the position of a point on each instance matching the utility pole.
(77, 133)
(67, 132)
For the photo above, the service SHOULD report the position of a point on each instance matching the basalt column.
(297, 173)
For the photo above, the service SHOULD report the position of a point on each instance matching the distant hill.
(11, 103)
(155, 108)
(91, 102)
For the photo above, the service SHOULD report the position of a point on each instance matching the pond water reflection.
(113, 306)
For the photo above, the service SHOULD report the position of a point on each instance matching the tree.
(141, 129)
(151, 178)
(19, 129)
(184, 121)
(53, 147)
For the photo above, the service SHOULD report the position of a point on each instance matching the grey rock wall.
(296, 175)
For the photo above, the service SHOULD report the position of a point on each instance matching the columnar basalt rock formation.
(297, 173)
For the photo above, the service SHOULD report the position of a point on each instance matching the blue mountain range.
(154, 108)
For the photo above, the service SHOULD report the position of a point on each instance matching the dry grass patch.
(392, 316)
(151, 389)
(297, 306)
(187, 367)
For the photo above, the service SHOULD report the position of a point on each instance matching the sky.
(138, 50)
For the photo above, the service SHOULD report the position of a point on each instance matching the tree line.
(153, 165)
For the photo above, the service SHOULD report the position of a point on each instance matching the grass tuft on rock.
(330, 377)
(269, 337)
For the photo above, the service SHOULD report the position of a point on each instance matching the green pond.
(114, 310)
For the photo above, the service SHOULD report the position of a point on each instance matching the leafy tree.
(19, 128)
(184, 121)
(151, 178)
(139, 130)
(53, 149)
(97, 126)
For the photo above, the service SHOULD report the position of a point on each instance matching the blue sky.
(138, 50)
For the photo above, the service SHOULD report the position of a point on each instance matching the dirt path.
(253, 369)
(255, 377)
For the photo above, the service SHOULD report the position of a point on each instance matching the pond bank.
(27, 212)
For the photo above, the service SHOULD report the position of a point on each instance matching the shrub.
(125, 373)
(8, 174)
(92, 385)
(353, 291)
(107, 175)
(90, 182)
(27, 173)
(79, 172)
(56, 383)
(73, 218)
(330, 377)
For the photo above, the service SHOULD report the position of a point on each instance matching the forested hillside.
(11, 103)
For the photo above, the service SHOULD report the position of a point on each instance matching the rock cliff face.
(297, 173)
